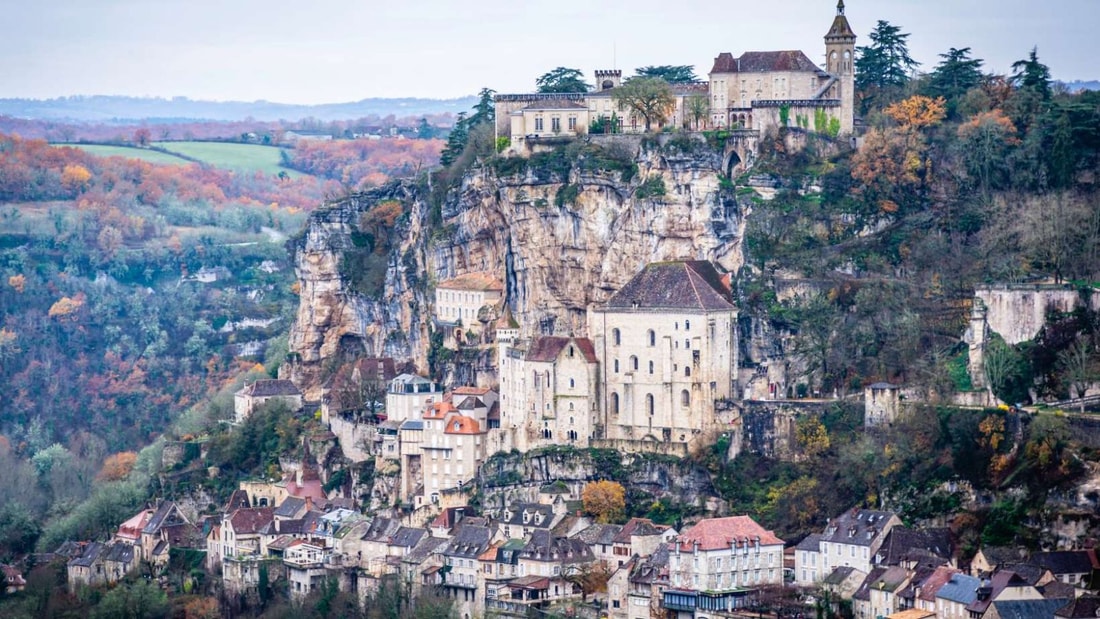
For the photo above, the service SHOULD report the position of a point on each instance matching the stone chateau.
(753, 91)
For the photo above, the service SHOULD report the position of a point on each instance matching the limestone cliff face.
(560, 240)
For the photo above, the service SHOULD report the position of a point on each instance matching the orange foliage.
(19, 282)
(117, 466)
(66, 306)
(993, 122)
(605, 500)
(918, 112)
(75, 177)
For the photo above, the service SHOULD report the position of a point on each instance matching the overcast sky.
(328, 51)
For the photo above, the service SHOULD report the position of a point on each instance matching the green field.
(130, 152)
(242, 157)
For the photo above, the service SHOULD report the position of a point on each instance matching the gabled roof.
(1029, 572)
(891, 580)
(811, 543)
(930, 586)
(762, 62)
(903, 543)
(168, 514)
(89, 556)
(538, 515)
(266, 388)
(960, 588)
(548, 349)
(236, 501)
(381, 530)
(468, 541)
(1030, 609)
(1001, 580)
(251, 520)
(839, 575)
(864, 591)
(132, 528)
(604, 534)
(1085, 606)
(652, 569)
(459, 424)
(857, 527)
(407, 537)
(1064, 561)
(291, 507)
(723, 533)
(638, 527)
(688, 285)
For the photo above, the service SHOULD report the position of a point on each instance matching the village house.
(880, 593)
(636, 590)
(667, 342)
(13, 579)
(409, 395)
(305, 567)
(549, 393)
(251, 397)
(466, 305)
(852, 539)
(714, 565)
(101, 564)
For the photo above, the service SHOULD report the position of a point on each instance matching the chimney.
(309, 504)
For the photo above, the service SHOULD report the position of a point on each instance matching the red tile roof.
(458, 424)
(548, 349)
(721, 533)
(251, 520)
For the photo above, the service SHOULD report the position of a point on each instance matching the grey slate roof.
(290, 507)
(811, 543)
(166, 515)
(839, 575)
(1085, 606)
(858, 527)
(599, 534)
(408, 537)
(760, 62)
(89, 556)
(1030, 609)
(1064, 561)
(903, 543)
(688, 285)
(267, 388)
(468, 542)
(961, 588)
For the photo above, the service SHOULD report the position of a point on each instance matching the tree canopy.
(673, 74)
(883, 67)
(563, 80)
(650, 97)
(954, 76)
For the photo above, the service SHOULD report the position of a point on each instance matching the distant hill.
(124, 110)
(1079, 85)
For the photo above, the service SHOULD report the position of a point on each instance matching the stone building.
(850, 540)
(465, 305)
(549, 393)
(668, 345)
(757, 90)
(881, 404)
(408, 395)
(251, 397)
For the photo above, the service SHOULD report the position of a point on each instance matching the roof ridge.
(694, 288)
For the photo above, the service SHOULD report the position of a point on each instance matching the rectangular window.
(572, 123)
(555, 124)
(538, 123)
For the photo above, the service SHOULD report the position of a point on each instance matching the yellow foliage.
(66, 306)
(296, 288)
(918, 112)
(19, 282)
(992, 122)
(75, 177)
(259, 367)
(605, 500)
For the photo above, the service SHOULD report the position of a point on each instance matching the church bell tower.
(840, 52)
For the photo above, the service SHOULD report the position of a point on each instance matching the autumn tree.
(562, 80)
(812, 436)
(649, 97)
(18, 282)
(75, 178)
(606, 500)
(117, 466)
(986, 141)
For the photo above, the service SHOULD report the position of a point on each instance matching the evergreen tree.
(954, 76)
(673, 74)
(456, 141)
(883, 67)
(562, 80)
(484, 109)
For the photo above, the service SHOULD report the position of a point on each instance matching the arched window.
(570, 419)
(634, 363)
(650, 367)
(685, 398)
(570, 408)
(614, 404)
(616, 337)
(652, 337)
(616, 366)
(687, 323)
(649, 404)
(687, 371)
(571, 383)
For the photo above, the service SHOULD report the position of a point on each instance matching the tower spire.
(840, 7)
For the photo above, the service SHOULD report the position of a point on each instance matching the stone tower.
(840, 52)
(606, 79)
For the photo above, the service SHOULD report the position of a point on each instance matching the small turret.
(606, 79)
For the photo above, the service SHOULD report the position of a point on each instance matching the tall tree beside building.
(954, 76)
(883, 67)
(650, 97)
(562, 80)
(673, 74)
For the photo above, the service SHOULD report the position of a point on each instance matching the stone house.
(880, 593)
(251, 397)
(636, 590)
(241, 531)
(852, 539)
(408, 395)
(460, 574)
(955, 595)
(100, 564)
(668, 346)
(465, 306)
(1073, 567)
(549, 393)
(714, 564)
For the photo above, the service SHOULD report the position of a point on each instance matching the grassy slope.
(244, 157)
(152, 156)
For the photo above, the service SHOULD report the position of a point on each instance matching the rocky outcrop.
(563, 231)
